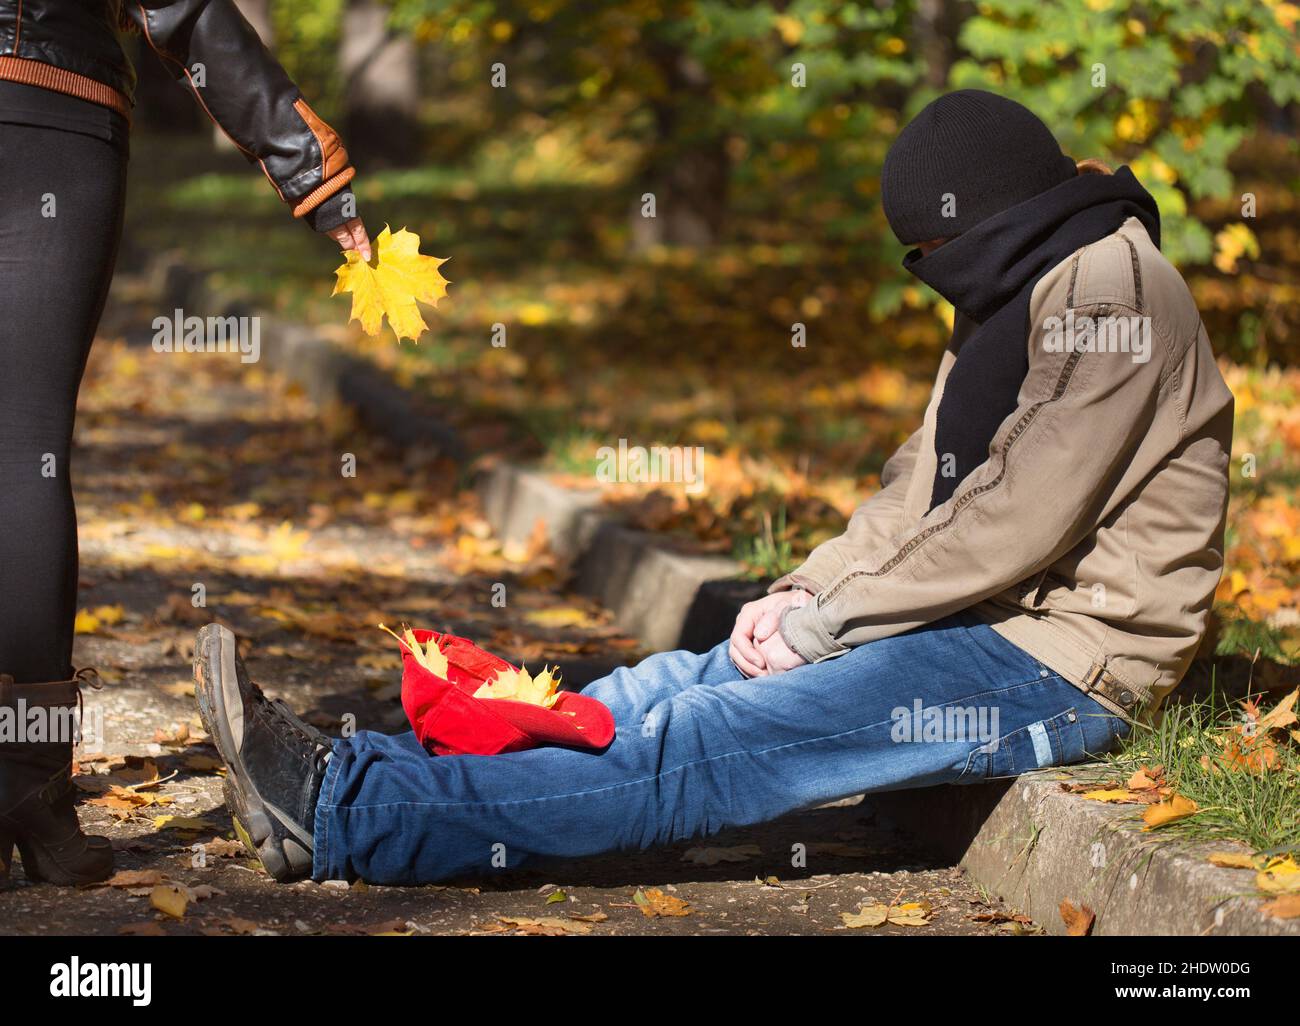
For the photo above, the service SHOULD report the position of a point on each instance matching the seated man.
(1039, 563)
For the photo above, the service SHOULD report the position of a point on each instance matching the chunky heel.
(38, 812)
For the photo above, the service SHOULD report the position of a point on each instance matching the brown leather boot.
(37, 811)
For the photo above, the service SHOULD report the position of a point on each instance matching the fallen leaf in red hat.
(445, 683)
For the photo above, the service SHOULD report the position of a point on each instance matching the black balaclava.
(967, 156)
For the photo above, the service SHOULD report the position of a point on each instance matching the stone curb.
(1032, 844)
(665, 598)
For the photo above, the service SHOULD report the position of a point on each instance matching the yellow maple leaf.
(521, 686)
(1111, 795)
(429, 656)
(1280, 876)
(1176, 808)
(400, 276)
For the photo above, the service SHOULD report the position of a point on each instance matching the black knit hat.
(971, 154)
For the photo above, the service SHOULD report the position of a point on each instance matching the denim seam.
(675, 770)
(320, 836)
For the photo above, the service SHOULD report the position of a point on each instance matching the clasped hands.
(757, 648)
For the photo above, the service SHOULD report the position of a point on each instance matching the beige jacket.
(1092, 537)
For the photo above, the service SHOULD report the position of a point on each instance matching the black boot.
(274, 761)
(37, 811)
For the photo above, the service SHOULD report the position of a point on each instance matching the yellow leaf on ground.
(546, 926)
(559, 616)
(1111, 796)
(1171, 811)
(1281, 715)
(185, 823)
(867, 915)
(1232, 860)
(655, 904)
(910, 913)
(170, 899)
(1280, 876)
(400, 277)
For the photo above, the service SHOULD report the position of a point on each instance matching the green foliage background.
(1172, 88)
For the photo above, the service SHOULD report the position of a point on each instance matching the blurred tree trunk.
(935, 25)
(688, 168)
(381, 93)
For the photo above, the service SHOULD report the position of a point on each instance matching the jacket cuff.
(792, 580)
(803, 630)
(323, 191)
(329, 215)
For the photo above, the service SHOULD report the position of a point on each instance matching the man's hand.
(758, 622)
(778, 655)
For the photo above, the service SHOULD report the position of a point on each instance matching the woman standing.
(65, 101)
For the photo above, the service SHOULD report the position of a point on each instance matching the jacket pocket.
(1051, 742)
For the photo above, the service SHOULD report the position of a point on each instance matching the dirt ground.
(210, 490)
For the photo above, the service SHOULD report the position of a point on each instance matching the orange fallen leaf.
(1078, 921)
(654, 904)
(1113, 795)
(1176, 808)
(1285, 907)
(1232, 860)
(170, 899)
(1142, 780)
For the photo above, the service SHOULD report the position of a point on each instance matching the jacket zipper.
(966, 498)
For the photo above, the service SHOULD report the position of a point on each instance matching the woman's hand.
(757, 622)
(352, 235)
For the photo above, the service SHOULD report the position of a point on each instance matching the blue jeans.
(700, 748)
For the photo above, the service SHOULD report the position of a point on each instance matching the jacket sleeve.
(1057, 466)
(871, 525)
(211, 48)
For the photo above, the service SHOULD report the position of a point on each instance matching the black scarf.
(988, 274)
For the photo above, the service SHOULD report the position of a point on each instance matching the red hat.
(449, 720)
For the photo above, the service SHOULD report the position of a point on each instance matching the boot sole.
(285, 853)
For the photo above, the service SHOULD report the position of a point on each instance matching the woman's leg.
(947, 702)
(59, 228)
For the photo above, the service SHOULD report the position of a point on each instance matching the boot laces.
(289, 726)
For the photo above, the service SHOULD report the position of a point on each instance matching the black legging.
(54, 276)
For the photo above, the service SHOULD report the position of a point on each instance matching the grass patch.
(1260, 808)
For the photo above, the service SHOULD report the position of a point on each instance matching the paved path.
(197, 476)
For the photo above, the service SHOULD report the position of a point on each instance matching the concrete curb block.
(657, 594)
(650, 588)
(1033, 844)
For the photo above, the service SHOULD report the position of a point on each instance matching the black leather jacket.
(71, 46)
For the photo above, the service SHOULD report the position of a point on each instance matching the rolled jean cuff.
(324, 805)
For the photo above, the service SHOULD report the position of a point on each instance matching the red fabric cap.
(449, 720)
